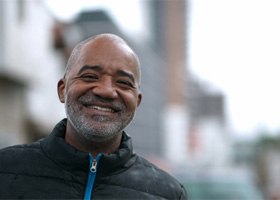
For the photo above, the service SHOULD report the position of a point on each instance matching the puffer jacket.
(52, 169)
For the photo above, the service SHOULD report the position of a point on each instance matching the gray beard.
(95, 133)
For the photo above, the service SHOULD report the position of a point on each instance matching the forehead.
(108, 54)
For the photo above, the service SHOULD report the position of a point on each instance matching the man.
(88, 155)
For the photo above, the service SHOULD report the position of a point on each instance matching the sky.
(233, 44)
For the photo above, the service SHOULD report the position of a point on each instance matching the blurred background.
(210, 111)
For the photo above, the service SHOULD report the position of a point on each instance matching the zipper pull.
(93, 166)
(93, 161)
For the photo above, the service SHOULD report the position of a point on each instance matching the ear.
(139, 99)
(61, 90)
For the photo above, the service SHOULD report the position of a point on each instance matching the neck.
(94, 147)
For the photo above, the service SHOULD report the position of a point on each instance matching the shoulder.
(149, 167)
(164, 183)
(20, 148)
(18, 154)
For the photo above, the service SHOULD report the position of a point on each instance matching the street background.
(210, 112)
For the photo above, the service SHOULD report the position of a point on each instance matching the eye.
(89, 77)
(125, 83)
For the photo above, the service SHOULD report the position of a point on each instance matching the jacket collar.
(72, 159)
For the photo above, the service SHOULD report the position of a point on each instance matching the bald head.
(106, 38)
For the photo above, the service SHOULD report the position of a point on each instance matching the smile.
(101, 108)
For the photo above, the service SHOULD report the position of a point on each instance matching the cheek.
(75, 90)
(71, 99)
(131, 101)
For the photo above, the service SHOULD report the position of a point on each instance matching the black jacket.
(50, 168)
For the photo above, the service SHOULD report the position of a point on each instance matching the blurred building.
(209, 143)
(168, 30)
(194, 121)
(12, 109)
(28, 72)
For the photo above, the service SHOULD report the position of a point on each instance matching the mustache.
(91, 99)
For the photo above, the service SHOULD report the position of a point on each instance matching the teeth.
(101, 108)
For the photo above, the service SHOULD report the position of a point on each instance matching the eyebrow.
(122, 73)
(87, 67)
(126, 74)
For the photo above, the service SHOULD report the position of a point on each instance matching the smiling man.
(101, 93)
(88, 155)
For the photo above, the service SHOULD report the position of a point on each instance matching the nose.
(105, 88)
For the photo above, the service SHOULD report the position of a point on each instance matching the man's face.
(101, 91)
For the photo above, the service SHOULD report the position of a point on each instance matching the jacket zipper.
(93, 162)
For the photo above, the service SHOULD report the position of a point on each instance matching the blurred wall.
(13, 111)
(30, 64)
